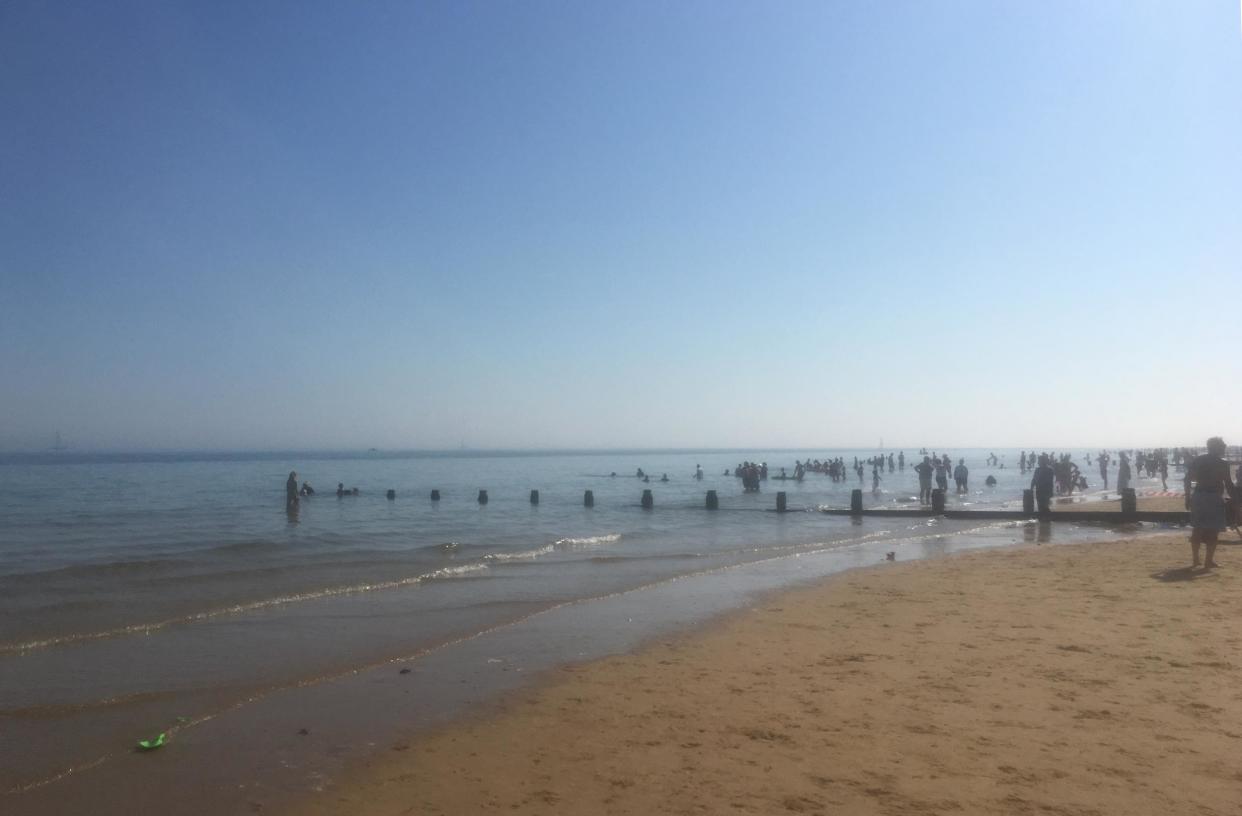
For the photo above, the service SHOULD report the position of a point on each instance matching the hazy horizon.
(635, 226)
(68, 451)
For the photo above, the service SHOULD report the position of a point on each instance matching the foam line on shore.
(445, 573)
(240, 608)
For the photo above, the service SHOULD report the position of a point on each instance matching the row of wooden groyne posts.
(1129, 511)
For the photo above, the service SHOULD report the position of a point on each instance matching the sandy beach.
(1070, 680)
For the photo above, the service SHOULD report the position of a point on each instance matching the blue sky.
(332, 225)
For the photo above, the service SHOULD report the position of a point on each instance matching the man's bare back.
(1208, 471)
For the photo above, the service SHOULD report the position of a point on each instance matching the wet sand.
(1067, 680)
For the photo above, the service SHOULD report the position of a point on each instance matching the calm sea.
(173, 593)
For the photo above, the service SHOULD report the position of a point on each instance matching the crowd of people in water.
(1067, 476)
(939, 467)
(1208, 483)
(294, 494)
(1052, 473)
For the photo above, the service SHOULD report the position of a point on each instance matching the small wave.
(1014, 525)
(445, 548)
(241, 608)
(451, 572)
(673, 556)
(521, 555)
(560, 545)
(588, 542)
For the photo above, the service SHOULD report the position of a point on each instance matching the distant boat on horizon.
(58, 446)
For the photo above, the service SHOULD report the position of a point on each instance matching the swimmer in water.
(698, 472)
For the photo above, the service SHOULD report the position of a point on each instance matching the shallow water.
(140, 594)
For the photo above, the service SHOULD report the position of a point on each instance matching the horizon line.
(225, 451)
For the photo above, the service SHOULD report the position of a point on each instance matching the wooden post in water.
(1129, 502)
(648, 501)
(1028, 501)
(856, 502)
(435, 495)
(534, 497)
(713, 501)
(938, 501)
(588, 499)
(482, 497)
(780, 501)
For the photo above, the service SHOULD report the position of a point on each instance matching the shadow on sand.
(1183, 574)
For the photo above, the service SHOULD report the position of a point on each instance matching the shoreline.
(276, 749)
(986, 706)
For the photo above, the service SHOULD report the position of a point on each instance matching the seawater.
(139, 593)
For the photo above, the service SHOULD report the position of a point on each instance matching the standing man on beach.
(1210, 475)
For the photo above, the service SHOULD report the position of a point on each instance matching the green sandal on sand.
(152, 744)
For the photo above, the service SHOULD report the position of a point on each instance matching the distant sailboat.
(58, 446)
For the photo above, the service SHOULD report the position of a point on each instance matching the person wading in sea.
(291, 491)
(924, 469)
(1043, 482)
(1206, 503)
(960, 475)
